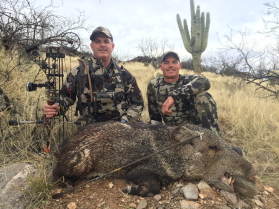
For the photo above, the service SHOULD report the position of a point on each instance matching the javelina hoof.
(138, 190)
(66, 183)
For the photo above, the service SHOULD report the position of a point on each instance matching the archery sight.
(51, 65)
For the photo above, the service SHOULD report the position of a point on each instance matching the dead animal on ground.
(103, 147)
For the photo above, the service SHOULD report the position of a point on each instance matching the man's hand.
(51, 110)
(167, 105)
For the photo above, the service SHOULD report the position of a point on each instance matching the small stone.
(157, 197)
(56, 191)
(269, 189)
(243, 204)
(142, 204)
(132, 205)
(87, 185)
(190, 191)
(184, 204)
(204, 188)
(100, 204)
(110, 185)
(259, 203)
(266, 192)
(202, 196)
(229, 196)
(164, 202)
(72, 205)
(179, 185)
(175, 191)
(224, 207)
(201, 201)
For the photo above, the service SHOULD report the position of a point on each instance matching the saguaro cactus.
(197, 43)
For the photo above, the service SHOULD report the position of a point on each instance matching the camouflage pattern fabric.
(193, 104)
(116, 94)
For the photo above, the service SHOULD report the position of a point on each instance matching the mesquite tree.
(23, 23)
(197, 42)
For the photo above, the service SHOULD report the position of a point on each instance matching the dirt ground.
(106, 194)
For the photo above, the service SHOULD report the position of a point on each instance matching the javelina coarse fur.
(103, 147)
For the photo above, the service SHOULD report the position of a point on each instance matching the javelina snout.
(103, 147)
(217, 163)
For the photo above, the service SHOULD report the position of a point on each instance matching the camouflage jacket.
(183, 92)
(116, 94)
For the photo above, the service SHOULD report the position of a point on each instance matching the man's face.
(170, 67)
(102, 46)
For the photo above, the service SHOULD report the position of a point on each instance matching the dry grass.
(248, 119)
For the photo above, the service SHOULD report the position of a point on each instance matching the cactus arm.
(192, 39)
(197, 46)
(187, 31)
(206, 32)
(202, 31)
(184, 35)
(193, 20)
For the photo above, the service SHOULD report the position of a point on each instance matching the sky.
(132, 20)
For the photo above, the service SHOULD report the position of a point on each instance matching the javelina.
(103, 147)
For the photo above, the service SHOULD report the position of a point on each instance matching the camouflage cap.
(100, 29)
(169, 53)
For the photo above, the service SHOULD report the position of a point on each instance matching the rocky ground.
(107, 194)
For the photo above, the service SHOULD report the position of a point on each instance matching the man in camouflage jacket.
(104, 90)
(176, 98)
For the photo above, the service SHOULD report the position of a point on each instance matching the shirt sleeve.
(68, 93)
(153, 110)
(133, 96)
(191, 85)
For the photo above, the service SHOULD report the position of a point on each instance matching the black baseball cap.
(169, 53)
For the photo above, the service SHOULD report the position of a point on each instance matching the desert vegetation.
(248, 119)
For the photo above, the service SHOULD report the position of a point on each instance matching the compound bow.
(52, 67)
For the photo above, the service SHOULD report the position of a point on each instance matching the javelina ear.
(181, 133)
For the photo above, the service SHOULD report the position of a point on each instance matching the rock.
(142, 204)
(157, 197)
(231, 197)
(243, 204)
(164, 202)
(202, 196)
(110, 185)
(132, 205)
(175, 191)
(206, 190)
(259, 203)
(223, 207)
(72, 205)
(12, 182)
(190, 191)
(269, 189)
(184, 204)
